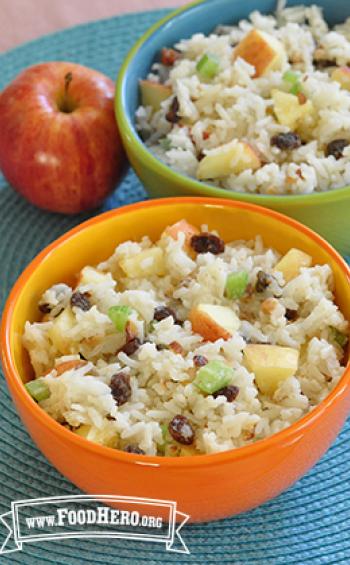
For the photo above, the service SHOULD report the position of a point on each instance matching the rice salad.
(260, 107)
(187, 345)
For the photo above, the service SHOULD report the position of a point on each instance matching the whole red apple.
(59, 143)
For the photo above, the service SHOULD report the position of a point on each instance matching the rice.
(76, 349)
(237, 106)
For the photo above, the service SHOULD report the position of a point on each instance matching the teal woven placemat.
(307, 524)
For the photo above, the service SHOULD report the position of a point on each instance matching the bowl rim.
(287, 436)
(131, 137)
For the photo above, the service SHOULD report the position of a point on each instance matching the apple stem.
(65, 105)
(67, 80)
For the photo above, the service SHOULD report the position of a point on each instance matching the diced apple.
(292, 262)
(89, 275)
(261, 50)
(173, 449)
(342, 75)
(153, 93)
(213, 322)
(68, 366)
(146, 263)
(271, 364)
(182, 227)
(269, 305)
(83, 430)
(97, 436)
(288, 109)
(188, 450)
(60, 328)
(231, 158)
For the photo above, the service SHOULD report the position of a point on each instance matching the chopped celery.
(291, 77)
(165, 433)
(166, 439)
(236, 283)
(119, 316)
(38, 389)
(213, 376)
(208, 66)
(340, 338)
(296, 88)
(165, 143)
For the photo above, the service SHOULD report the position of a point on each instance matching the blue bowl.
(327, 213)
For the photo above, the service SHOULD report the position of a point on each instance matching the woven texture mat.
(307, 524)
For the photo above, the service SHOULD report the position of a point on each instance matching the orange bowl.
(206, 486)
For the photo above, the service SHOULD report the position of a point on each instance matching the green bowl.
(328, 213)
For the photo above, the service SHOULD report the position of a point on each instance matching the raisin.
(161, 346)
(207, 243)
(230, 392)
(172, 115)
(81, 300)
(289, 140)
(223, 30)
(69, 427)
(131, 346)
(291, 315)
(336, 148)
(249, 291)
(176, 347)
(162, 312)
(200, 360)
(301, 98)
(323, 63)
(44, 308)
(181, 430)
(121, 388)
(263, 281)
(169, 56)
(134, 449)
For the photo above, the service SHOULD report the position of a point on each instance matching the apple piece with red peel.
(59, 144)
(342, 75)
(214, 322)
(232, 158)
(187, 229)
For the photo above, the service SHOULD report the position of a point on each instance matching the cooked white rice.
(236, 106)
(162, 378)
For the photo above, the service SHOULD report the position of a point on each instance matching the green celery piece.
(296, 88)
(291, 77)
(119, 316)
(236, 284)
(208, 66)
(166, 439)
(165, 433)
(340, 338)
(38, 390)
(165, 143)
(214, 376)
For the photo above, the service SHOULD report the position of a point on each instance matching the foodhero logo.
(101, 516)
(82, 516)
